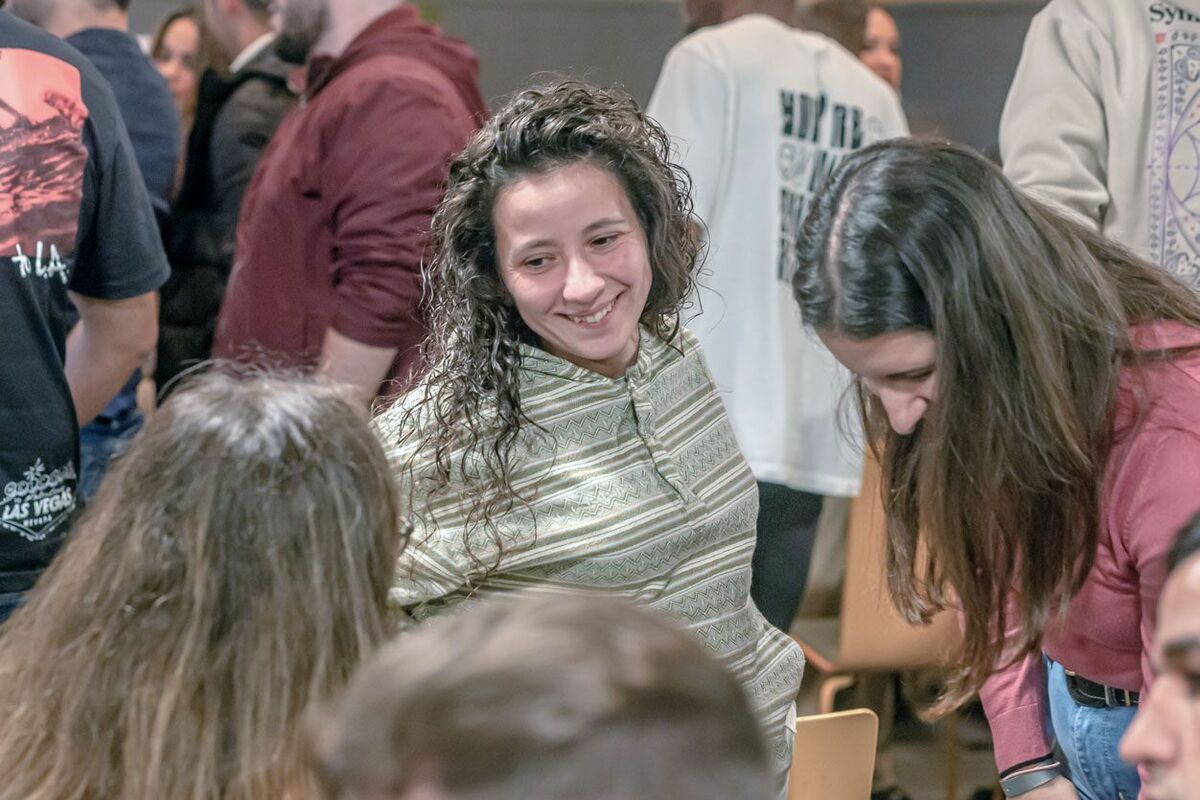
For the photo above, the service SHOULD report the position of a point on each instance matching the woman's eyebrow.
(603, 223)
(911, 373)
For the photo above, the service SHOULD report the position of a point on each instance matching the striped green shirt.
(636, 486)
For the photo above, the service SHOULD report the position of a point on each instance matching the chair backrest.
(872, 635)
(834, 756)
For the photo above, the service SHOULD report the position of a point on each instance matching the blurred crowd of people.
(307, 347)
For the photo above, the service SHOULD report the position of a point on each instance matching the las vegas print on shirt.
(42, 164)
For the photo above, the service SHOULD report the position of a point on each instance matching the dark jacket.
(236, 116)
(337, 217)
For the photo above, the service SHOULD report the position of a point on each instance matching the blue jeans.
(1088, 738)
(99, 441)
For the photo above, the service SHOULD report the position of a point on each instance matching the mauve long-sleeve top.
(1151, 487)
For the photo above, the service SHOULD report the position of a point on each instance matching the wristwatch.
(1030, 777)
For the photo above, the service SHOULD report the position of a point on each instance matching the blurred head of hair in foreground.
(233, 568)
(578, 697)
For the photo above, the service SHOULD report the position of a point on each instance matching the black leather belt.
(1097, 695)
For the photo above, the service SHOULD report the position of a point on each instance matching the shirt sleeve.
(429, 569)
(692, 102)
(1053, 133)
(425, 574)
(119, 253)
(1015, 701)
(385, 172)
(1163, 502)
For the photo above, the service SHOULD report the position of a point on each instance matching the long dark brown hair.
(233, 568)
(467, 408)
(1031, 312)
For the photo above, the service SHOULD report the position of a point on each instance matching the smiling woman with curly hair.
(567, 435)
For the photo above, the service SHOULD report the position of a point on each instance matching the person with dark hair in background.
(327, 270)
(232, 570)
(1101, 120)
(880, 49)
(761, 114)
(844, 21)
(236, 116)
(175, 50)
(78, 230)
(100, 30)
(1164, 739)
(864, 28)
(543, 698)
(1033, 393)
(567, 432)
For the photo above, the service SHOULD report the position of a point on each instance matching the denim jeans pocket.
(1089, 738)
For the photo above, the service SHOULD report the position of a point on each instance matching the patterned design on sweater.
(638, 488)
(1174, 196)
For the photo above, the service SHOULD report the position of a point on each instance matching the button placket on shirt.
(664, 463)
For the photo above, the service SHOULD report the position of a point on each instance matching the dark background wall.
(959, 57)
(145, 14)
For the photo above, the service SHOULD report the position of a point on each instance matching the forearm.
(361, 367)
(109, 343)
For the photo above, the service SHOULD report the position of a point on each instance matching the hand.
(1058, 789)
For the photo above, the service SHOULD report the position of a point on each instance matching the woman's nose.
(583, 284)
(904, 409)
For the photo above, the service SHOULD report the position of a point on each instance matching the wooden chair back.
(872, 635)
(834, 756)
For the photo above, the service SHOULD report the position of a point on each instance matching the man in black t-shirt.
(75, 224)
(99, 29)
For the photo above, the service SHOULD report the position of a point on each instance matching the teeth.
(599, 315)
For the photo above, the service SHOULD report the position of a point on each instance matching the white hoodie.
(1103, 117)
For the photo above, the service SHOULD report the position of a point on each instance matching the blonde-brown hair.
(233, 568)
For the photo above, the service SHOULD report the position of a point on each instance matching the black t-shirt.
(74, 214)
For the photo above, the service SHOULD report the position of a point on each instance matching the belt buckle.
(1117, 698)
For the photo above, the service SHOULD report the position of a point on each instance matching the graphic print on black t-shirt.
(42, 164)
(42, 160)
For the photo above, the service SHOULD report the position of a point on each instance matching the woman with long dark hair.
(232, 569)
(1033, 394)
(866, 29)
(567, 435)
(177, 50)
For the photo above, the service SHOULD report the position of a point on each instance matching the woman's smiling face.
(574, 258)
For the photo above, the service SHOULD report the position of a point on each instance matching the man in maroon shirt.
(335, 221)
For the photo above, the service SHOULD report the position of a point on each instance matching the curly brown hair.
(468, 401)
